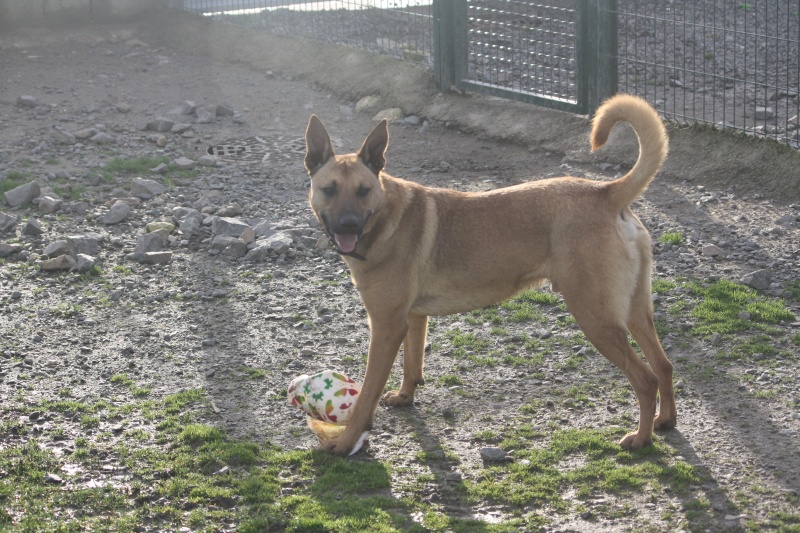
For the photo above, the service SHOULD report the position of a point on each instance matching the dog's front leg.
(387, 332)
(413, 362)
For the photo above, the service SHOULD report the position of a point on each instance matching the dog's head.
(345, 189)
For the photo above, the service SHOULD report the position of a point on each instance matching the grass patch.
(672, 237)
(728, 307)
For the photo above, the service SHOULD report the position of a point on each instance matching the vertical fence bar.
(597, 62)
(443, 43)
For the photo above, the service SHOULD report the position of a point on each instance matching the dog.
(415, 251)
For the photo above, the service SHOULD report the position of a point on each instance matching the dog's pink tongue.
(347, 242)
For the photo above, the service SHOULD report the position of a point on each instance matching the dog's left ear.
(374, 147)
(318, 145)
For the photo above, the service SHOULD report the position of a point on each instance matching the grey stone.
(32, 228)
(264, 229)
(62, 262)
(228, 226)
(224, 110)
(180, 128)
(49, 204)
(117, 213)
(259, 252)
(57, 248)
(280, 242)
(63, 137)
(9, 249)
(233, 210)
(206, 114)
(391, 114)
(7, 222)
(23, 194)
(86, 133)
(494, 455)
(760, 279)
(188, 107)
(157, 258)
(149, 242)
(160, 124)
(86, 243)
(146, 189)
(102, 138)
(160, 169)
(207, 160)
(367, 103)
(787, 220)
(228, 245)
(184, 163)
(763, 113)
(711, 250)
(84, 263)
(27, 101)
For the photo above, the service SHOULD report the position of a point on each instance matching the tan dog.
(415, 251)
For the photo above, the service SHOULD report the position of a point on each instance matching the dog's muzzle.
(344, 236)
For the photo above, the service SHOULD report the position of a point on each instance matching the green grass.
(722, 305)
(673, 237)
(13, 179)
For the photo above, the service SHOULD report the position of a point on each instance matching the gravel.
(237, 274)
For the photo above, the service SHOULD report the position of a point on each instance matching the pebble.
(22, 194)
(118, 212)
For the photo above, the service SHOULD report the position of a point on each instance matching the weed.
(673, 237)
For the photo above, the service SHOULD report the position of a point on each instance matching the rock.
(279, 242)
(228, 245)
(494, 455)
(146, 189)
(123, 107)
(7, 223)
(188, 107)
(184, 163)
(27, 101)
(206, 114)
(787, 220)
(62, 262)
(763, 113)
(118, 212)
(48, 204)
(180, 128)
(163, 168)
(157, 258)
(259, 253)
(9, 249)
(248, 235)
(86, 243)
(711, 250)
(63, 137)
(56, 249)
(224, 110)
(160, 124)
(264, 229)
(207, 160)
(232, 227)
(147, 243)
(159, 225)
(84, 262)
(102, 138)
(391, 114)
(233, 210)
(32, 228)
(368, 103)
(23, 194)
(760, 279)
(86, 133)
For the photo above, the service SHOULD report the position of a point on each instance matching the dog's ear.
(374, 147)
(318, 145)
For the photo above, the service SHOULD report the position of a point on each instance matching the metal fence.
(729, 63)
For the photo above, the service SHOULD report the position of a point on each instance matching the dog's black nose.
(349, 223)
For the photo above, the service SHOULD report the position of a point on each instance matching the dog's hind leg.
(413, 362)
(598, 309)
(640, 324)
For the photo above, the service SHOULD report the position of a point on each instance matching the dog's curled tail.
(653, 143)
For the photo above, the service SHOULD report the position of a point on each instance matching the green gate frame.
(596, 55)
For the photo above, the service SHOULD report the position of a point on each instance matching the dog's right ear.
(318, 145)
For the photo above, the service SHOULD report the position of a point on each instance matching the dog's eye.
(329, 191)
(362, 191)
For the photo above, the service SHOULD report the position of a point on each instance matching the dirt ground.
(197, 321)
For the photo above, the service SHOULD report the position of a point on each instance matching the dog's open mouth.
(346, 242)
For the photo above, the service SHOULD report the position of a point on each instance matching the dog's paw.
(634, 441)
(395, 398)
(665, 422)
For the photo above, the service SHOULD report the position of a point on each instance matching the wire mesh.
(523, 46)
(398, 28)
(728, 63)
